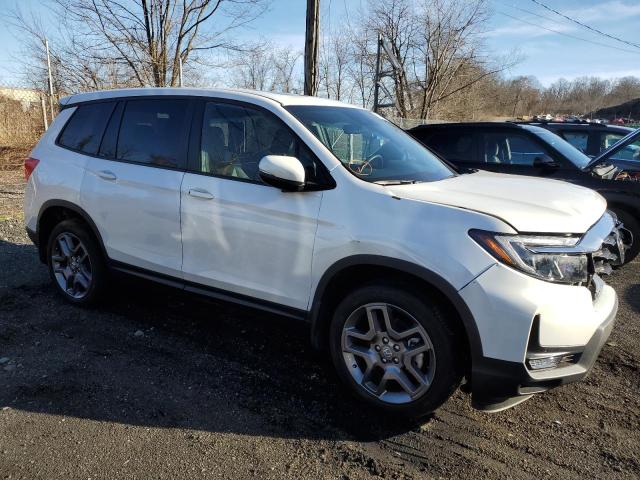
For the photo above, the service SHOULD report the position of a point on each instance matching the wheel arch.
(53, 212)
(367, 267)
(631, 205)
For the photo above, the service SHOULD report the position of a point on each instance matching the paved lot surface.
(159, 384)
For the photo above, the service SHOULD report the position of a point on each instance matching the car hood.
(529, 204)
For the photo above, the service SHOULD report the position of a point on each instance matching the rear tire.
(632, 224)
(374, 336)
(76, 264)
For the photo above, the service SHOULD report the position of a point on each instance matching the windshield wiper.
(395, 182)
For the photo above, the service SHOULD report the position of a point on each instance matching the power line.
(513, 5)
(569, 35)
(585, 25)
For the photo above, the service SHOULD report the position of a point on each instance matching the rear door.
(239, 234)
(131, 188)
(457, 145)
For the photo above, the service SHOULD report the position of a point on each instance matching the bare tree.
(263, 67)
(334, 62)
(438, 44)
(253, 69)
(284, 62)
(143, 41)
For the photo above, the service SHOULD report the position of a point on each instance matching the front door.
(239, 234)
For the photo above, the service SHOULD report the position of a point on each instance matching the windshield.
(370, 147)
(574, 155)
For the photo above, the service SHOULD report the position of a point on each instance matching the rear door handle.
(107, 175)
(200, 193)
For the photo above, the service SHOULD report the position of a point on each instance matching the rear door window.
(453, 145)
(578, 139)
(510, 148)
(84, 130)
(155, 132)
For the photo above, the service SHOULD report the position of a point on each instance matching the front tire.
(394, 349)
(76, 264)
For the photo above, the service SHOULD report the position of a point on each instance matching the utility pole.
(180, 70)
(46, 46)
(376, 86)
(311, 47)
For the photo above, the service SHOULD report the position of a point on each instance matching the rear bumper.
(499, 384)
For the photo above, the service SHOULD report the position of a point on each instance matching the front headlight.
(526, 253)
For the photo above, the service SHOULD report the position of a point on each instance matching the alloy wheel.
(71, 265)
(388, 353)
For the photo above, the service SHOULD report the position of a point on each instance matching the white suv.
(412, 275)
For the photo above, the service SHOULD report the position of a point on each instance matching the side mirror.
(285, 173)
(545, 161)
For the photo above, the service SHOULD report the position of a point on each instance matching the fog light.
(539, 363)
(544, 362)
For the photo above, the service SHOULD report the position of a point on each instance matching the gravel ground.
(162, 384)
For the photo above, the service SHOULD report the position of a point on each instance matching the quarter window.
(154, 132)
(510, 149)
(236, 137)
(84, 130)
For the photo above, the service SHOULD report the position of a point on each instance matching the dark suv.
(524, 149)
(590, 138)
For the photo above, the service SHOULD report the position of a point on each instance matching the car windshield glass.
(570, 152)
(370, 147)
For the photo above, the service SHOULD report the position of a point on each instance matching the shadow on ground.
(632, 296)
(158, 357)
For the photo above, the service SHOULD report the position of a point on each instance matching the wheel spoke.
(401, 378)
(70, 280)
(358, 350)
(412, 352)
(372, 317)
(382, 386)
(366, 377)
(82, 280)
(367, 337)
(409, 333)
(65, 245)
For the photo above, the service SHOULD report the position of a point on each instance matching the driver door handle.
(200, 193)
(107, 175)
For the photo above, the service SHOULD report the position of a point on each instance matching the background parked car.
(524, 149)
(590, 138)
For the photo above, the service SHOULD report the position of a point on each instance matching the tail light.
(30, 165)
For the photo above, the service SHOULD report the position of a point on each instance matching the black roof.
(519, 125)
(579, 125)
(431, 126)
